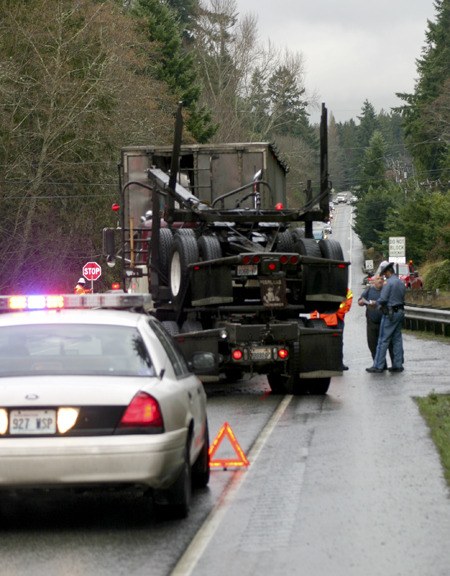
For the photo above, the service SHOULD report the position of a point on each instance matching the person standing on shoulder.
(392, 305)
(337, 319)
(80, 287)
(369, 298)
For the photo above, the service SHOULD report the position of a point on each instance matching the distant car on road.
(341, 198)
(98, 397)
(406, 272)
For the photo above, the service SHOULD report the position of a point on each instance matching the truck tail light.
(237, 354)
(283, 353)
(142, 412)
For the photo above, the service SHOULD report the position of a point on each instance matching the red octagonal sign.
(92, 271)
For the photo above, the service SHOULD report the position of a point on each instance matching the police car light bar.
(59, 301)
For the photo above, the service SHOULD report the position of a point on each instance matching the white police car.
(94, 395)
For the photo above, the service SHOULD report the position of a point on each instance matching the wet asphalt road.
(347, 484)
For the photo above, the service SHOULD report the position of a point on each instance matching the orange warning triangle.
(241, 460)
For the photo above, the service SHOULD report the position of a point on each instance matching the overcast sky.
(353, 49)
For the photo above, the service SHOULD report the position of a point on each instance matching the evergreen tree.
(287, 108)
(175, 65)
(425, 111)
(373, 168)
(348, 142)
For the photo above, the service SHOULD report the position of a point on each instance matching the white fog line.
(193, 553)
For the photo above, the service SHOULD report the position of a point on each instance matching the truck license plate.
(247, 270)
(263, 353)
(32, 422)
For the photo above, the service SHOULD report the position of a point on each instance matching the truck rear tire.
(285, 242)
(331, 249)
(308, 247)
(165, 250)
(184, 252)
(317, 386)
(209, 248)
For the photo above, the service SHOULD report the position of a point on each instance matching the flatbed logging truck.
(231, 269)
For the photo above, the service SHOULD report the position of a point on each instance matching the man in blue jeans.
(392, 305)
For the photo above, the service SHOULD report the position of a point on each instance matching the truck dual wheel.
(331, 249)
(307, 247)
(285, 242)
(171, 326)
(184, 252)
(165, 250)
(209, 248)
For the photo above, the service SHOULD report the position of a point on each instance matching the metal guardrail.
(428, 320)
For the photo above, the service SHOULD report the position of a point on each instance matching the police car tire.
(176, 500)
(200, 468)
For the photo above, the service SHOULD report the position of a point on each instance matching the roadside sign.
(369, 265)
(92, 271)
(397, 248)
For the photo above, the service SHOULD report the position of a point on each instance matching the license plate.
(264, 353)
(247, 270)
(32, 422)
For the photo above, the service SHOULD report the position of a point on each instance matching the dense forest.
(79, 80)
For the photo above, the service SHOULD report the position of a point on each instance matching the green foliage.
(435, 409)
(371, 215)
(373, 167)
(66, 108)
(425, 109)
(175, 65)
(437, 276)
(424, 219)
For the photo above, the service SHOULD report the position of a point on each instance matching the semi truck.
(232, 270)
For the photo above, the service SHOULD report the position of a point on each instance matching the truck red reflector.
(284, 259)
(142, 412)
(294, 260)
(237, 354)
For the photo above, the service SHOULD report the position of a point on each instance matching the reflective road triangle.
(241, 459)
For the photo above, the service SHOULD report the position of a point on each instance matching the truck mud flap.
(320, 352)
(324, 284)
(211, 284)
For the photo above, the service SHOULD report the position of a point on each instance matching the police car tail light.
(3, 421)
(142, 412)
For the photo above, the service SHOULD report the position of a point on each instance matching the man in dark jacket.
(392, 305)
(369, 298)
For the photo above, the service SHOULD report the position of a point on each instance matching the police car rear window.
(81, 349)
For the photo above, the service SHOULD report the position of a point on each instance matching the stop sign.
(92, 271)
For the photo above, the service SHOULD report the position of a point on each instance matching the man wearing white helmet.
(80, 288)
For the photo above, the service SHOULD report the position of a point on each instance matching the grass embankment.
(435, 409)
